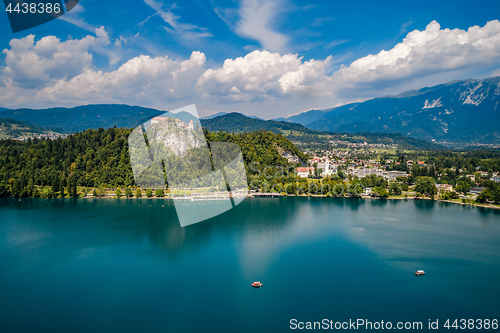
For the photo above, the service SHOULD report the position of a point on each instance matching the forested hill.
(100, 158)
(11, 128)
(237, 123)
(83, 117)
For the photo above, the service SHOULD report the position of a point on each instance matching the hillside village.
(401, 176)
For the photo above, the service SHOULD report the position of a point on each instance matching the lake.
(117, 265)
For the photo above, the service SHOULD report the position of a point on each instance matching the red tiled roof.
(304, 169)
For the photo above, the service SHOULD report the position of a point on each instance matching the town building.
(328, 168)
(389, 175)
(476, 190)
(304, 172)
(496, 179)
(393, 175)
(368, 172)
(292, 158)
(444, 187)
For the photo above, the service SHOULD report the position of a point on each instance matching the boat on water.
(419, 272)
(256, 284)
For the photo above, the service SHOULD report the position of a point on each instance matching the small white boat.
(419, 272)
(256, 284)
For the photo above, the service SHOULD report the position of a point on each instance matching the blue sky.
(267, 58)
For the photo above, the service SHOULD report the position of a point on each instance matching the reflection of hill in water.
(109, 223)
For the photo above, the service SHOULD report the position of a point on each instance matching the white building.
(304, 172)
(392, 175)
(444, 187)
(368, 172)
(389, 175)
(496, 179)
(328, 168)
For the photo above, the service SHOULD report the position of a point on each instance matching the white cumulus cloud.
(433, 51)
(54, 72)
(421, 53)
(261, 74)
(140, 80)
(33, 64)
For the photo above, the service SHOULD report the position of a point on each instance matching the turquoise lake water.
(127, 266)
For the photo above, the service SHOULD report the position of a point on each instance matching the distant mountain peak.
(215, 115)
(451, 113)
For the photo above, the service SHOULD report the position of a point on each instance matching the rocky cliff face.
(174, 138)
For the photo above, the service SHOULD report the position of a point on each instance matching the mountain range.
(95, 116)
(83, 117)
(306, 137)
(465, 111)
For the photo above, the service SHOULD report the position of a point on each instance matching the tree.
(395, 189)
(128, 192)
(426, 185)
(355, 189)
(149, 193)
(159, 193)
(138, 193)
(73, 192)
(380, 192)
(85, 191)
(490, 193)
(4, 189)
(56, 183)
(118, 193)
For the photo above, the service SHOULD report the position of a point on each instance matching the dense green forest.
(100, 158)
(92, 158)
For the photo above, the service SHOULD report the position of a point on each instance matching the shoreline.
(310, 196)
